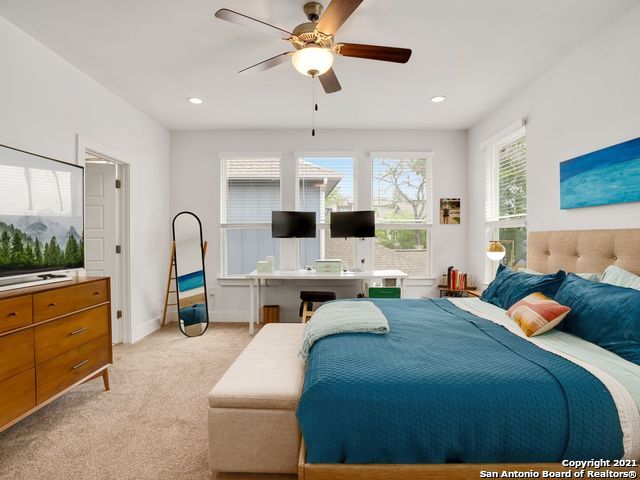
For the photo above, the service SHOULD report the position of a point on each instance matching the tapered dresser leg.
(105, 379)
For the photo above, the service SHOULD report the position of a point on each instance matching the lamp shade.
(496, 251)
(312, 60)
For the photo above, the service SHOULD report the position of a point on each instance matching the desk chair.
(308, 298)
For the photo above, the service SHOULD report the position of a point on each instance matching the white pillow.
(528, 270)
(614, 275)
(593, 277)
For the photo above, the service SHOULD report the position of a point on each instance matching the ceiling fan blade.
(373, 52)
(330, 82)
(267, 64)
(241, 19)
(336, 14)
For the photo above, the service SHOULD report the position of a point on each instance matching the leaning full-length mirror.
(193, 311)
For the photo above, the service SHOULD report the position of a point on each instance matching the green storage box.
(384, 292)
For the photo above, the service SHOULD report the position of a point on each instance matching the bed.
(456, 389)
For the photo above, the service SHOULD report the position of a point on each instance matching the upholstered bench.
(252, 421)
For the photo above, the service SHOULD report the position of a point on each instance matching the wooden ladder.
(172, 278)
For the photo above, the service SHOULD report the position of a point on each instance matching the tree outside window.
(401, 198)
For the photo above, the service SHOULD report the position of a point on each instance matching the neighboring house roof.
(269, 169)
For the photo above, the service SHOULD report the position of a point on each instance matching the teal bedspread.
(446, 386)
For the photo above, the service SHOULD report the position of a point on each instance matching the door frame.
(86, 147)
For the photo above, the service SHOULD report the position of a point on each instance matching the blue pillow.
(604, 314)
(509, 287)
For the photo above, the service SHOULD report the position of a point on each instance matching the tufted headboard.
(584, 251)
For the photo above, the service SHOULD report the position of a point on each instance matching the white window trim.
(224, 226)
(491, 146)
(502, 134)
(427, 226)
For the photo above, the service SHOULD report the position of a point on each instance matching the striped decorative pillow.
(537, 314)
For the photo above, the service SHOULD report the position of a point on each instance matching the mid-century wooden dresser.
(52, 338)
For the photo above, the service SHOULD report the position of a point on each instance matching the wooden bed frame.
(582, 251)
(446, 471)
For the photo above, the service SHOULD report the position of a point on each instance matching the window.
(402, 199)
(326, 184)
(250, 191)
(506, 196)
(405, 250)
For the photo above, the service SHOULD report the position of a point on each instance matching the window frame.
(493, 223)
(323, 227)
(427, 225)
(224, 225)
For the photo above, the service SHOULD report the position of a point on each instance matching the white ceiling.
(155, 53)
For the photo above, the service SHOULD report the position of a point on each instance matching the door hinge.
(118, 183)
(118, 248)
(119, 314)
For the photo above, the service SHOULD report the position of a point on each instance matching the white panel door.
(101, 229)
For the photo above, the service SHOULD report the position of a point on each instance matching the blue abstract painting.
(610, 175)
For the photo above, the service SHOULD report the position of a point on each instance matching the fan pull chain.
(314, 106)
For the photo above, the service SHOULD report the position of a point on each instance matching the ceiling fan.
(314, 42)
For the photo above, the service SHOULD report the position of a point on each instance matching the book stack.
(456, 280)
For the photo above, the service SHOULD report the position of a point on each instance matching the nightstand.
(450, 292)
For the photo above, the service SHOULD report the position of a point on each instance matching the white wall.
(195, 185)
(45, 102)
(589, 101)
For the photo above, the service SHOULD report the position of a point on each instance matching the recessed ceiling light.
(438, 99)
(194, 100)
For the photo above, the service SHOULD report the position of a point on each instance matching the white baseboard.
(230, 316)
(215, 316)
(141, 331)
(239, 316)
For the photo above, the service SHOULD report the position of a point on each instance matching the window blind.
(250, 189)
(506, 180)
(401, 190)
(326, 185)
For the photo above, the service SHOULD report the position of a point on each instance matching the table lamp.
(496, 251)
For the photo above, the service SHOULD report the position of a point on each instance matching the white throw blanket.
(343, 317)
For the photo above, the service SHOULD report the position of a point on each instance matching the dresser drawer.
(66, 333)
(15, 313)
(56, 303)
(65, 370)
(17, 395)
(16, 353)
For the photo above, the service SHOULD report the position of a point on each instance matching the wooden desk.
(257, 279)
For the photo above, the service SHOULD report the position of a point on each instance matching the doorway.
(106, 231)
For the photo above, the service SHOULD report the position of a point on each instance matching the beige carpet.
(151, 425)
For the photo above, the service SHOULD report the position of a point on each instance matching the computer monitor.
(293, 224)
(353, 224)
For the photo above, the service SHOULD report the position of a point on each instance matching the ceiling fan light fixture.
(312, 60)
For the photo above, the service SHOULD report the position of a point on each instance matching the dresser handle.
(80, 364)
(80, 330)
(96, 293)
(51, 305)
(13, 314)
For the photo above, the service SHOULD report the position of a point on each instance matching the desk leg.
(252, 307)
(258, 302)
